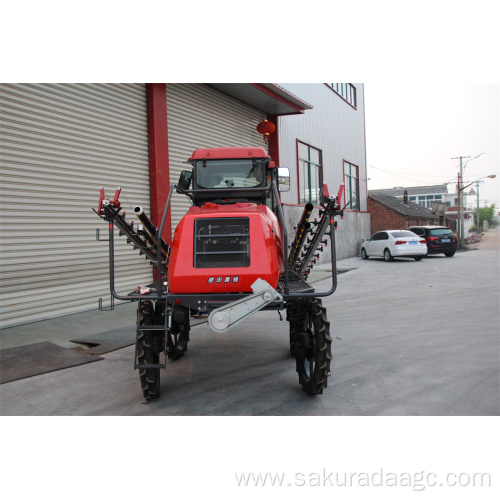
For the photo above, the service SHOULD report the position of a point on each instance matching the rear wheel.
(364, 255)
(148, 353)
(178, 337)
(418, 257)
(313, 349)
(290, 317)
(387, 255)
(450, 254)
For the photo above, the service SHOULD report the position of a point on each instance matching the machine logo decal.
(223, 279)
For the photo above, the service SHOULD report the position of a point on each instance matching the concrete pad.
(112, 340)
(409, 338)
(28, 361)
(61, 330)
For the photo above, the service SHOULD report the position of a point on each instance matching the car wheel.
(418, 257)
(387, 255)
(364, 255)
(450, 254)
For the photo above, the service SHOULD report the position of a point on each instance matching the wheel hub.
(305, 343)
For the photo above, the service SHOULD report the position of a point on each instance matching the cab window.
(227, 174)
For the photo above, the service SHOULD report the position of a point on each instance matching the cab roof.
(228, 153)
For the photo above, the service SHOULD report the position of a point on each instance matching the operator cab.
(230, 175)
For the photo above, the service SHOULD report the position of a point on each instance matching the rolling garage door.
(202, 117)
(59, 143)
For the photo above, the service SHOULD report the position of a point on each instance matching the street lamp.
(460, 226)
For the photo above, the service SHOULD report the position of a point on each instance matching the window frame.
(425, 200)
(347, 91)
(348, 187)
(302, 200)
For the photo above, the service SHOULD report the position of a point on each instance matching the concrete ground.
(410, 338)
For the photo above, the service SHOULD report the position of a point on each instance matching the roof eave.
(430, 215)
(267, 97)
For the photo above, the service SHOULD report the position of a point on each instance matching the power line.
(409, 179)
(423, 175)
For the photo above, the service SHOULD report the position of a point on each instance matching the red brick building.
(388, 212)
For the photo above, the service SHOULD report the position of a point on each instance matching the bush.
(486, 213)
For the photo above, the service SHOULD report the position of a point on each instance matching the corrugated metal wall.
(59, 143)
(201, 117)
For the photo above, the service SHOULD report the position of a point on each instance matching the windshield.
(440, 232)
(223, 174)
(404, 234)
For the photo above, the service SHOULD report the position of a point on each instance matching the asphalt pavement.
(409, 338)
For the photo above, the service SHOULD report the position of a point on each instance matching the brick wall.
(383, 217)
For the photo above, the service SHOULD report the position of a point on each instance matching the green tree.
(486, 213)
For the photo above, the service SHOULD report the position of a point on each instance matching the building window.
(310, 173)
(426, 200)
(347, 91)
(351, 180)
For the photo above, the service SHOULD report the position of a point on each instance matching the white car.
(397, 243)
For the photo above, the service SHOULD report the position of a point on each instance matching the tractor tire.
(147, 354)
(178, 337)
(313, 352)
(292, 320)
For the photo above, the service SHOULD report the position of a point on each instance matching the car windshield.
(403, 234)
(223, 174)
(442, 231)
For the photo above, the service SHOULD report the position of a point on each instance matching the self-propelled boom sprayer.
(229, 258)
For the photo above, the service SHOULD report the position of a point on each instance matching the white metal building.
(328, 144)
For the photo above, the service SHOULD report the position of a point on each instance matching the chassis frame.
(205, 303)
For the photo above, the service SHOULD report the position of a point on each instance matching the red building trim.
(159, 170)
(274, 147)
(278, 97)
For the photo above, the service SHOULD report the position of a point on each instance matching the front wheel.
(313, 351)
(387, 255)
(148, 353)
(364, 255)
(418, 257)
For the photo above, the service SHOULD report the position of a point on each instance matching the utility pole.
(458, 210)
(478, 230)
(461, 207)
